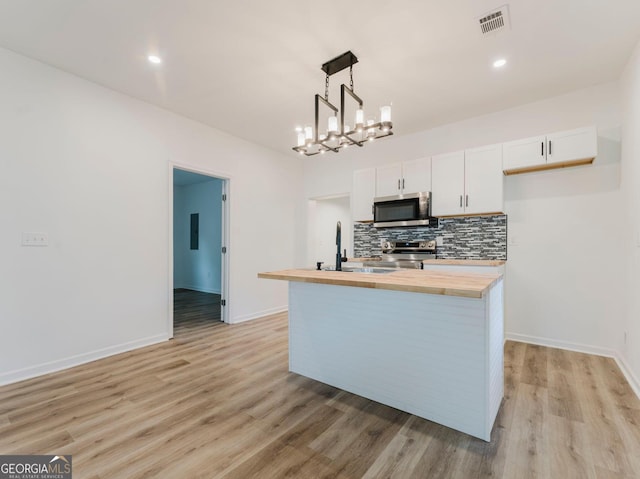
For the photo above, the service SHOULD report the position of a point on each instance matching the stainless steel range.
(405, 254)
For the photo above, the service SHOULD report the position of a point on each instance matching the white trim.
(260, 314)
(554, 343)
(582, 348)
(628, 374)
(77, 360)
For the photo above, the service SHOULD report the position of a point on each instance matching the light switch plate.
(35, 239)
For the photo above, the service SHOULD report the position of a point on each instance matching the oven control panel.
(422, 246)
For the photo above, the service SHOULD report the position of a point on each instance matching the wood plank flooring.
(190, 307)
(218, 402)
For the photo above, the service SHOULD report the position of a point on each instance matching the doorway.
(198, 259)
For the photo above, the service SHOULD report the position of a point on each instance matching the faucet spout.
(338, 244)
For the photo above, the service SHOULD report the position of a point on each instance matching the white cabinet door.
(389, 180)
(416, 175)
(362, 194)
(573, 145)
(524, 153)
(483, 180)
(447, 184)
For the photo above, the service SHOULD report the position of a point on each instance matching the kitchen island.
(425, 342)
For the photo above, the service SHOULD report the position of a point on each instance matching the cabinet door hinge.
(223, 302)
(224, 197)
(224, 249)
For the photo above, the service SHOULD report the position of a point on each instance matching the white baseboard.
(555, 343)
(65, 363)
(628, 374)
(582, 348)
(260, 314)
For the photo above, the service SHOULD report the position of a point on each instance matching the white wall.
(199, 269)
(631, 190)
(564, 276)
(323, 217)
(91, 168)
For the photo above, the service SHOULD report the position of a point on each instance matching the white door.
(389, 180)
(483, 180)
(416, 175)
(447, 184)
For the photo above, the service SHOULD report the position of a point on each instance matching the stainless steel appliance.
(412, 209)
(404, 254)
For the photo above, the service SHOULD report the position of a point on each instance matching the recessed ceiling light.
(499, 63)
(154, 59)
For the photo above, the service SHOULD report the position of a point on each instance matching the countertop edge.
(375, 281)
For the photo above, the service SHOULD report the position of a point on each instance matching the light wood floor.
(218, 402)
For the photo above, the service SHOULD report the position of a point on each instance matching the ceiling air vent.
(495, 21)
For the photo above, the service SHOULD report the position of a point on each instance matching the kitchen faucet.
(339, 258)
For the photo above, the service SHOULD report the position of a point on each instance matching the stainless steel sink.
(348, 269)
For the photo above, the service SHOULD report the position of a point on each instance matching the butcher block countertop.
(446, 283)
(466, 262)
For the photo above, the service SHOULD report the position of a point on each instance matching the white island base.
(436, 356)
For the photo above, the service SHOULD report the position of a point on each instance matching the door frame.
(225, 257)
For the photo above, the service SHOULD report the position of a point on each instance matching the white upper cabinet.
(573, 145)
(362, 194)
(483, 180)
(400, 178)
(565, 148)
(467, 182)
(416, 175)
(447, 178)
(389, 180)
(523, 154)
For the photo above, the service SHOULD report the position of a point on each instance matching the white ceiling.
(251, 67)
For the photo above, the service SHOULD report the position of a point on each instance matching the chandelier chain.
(351, 78)
(326, 88)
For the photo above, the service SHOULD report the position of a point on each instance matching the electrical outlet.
(35, 239)
(439, 240)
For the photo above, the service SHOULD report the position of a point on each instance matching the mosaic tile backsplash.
(473, 237)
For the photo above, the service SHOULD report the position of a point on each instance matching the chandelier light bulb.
(385, 114)
(359, 119)
(301, 138)
(332, 127)
(308, 134)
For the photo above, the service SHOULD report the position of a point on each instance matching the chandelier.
(338, 134)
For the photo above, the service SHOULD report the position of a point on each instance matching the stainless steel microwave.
(412, 209)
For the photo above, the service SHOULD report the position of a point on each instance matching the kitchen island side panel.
(495, 339)
(421, 353)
